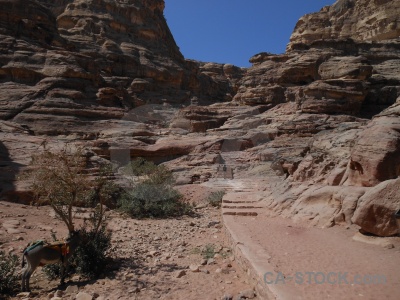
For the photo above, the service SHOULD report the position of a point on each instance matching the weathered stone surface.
(376, 153)
(333, 96)
(341, 60)
(73, 63)
(83, 296)
(376, 208)
(347, 78)
(345, 67)
(326, 204)
(360, 20)
(320, 121)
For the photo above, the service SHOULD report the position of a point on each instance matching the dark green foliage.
(215, 198)
(9, 281)
(153, 200)
(90, 258)
(152, 195)
(140, 167)
(52, 271)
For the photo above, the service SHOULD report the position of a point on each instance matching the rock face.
(351, 78)
(376, 209)
(66, 64)
(360, 20)
(320, 122)
(341, 60)
(376, 154)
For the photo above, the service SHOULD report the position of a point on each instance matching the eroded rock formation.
(67, 64)
(320, 122)
(359, 20)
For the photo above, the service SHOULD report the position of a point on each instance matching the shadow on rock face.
(8, 171)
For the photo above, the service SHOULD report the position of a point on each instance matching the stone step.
(240, 213)
(239, 201)
(241, 206)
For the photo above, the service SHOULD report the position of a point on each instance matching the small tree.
(60, 178)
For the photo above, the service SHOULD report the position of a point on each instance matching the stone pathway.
(243, 196)
(288, 260)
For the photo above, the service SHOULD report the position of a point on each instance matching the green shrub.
(208, 251)
(89, 259)
(139, 167)
(53, 271)
(153, 200)
(215, 198)
(153, 195)
(9, 281)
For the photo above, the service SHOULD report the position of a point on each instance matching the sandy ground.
(147, 254)
(304, 262)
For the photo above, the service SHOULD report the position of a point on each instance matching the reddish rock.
(375, 210)
(360, 20)
(73, 63)
(376, 153)
(108, 75)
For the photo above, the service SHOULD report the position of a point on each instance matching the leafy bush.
(52, 271)
(140, 167)
(9, 281)
(153, 195)
(215, 198)
(89, 259)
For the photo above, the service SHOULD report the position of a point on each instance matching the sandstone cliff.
(359, 20)
(340, 70)
(65, 64)
(320, 122)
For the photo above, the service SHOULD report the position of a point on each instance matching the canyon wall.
(65, 64)
(319, 122)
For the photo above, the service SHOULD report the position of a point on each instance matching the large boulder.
(326, 205)
(376, 154)
(376, 208)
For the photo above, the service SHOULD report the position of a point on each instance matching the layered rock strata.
(67, 64)
(320, 122)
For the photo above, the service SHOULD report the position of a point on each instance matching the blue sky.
(231, 31)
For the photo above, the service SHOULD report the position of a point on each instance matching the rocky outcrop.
(376, 209)
(320, 122)
(341, 60)
(352, 78)
(359, 20)
(339, 71)
(71, 63)
(376, 154)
